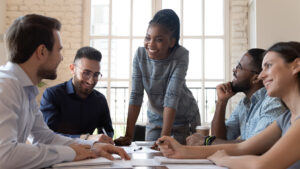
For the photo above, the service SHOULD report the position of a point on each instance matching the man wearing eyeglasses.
(74, 108)
(253, 113)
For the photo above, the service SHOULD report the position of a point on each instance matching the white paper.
(88, 162)
(165, 160)
(144, 143)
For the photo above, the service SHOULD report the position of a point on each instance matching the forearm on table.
(168, 119)
(218, 127)
(206, 151)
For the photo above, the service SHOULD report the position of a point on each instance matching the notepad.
(88, 162)
(144, 143)
(165, 160)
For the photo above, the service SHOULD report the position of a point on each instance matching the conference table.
(143, 157)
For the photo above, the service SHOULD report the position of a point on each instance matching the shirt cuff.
(66, 153)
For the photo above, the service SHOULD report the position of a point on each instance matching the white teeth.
(152, 50)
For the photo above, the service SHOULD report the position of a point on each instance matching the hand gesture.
(170, 147)
(123, 141)
(196, 139)
(224, 91)
(82, 151)
(106, 150)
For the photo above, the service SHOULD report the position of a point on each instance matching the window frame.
(157, 5)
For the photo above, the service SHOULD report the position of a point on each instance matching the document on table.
(88, 162)
(165, 160)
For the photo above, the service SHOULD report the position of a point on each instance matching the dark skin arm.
(218, 127)
(133, 113)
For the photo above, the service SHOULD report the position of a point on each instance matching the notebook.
(88, 162)
(165, 160)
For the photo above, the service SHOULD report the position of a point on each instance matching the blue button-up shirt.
(68, 114)
(252, 116)
(20, 117)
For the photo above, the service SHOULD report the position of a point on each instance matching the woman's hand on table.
(123, 141)
(171, 148)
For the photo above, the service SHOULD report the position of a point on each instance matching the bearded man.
(253, 113)
(74, 108)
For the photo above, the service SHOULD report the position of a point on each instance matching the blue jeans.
(179, 132)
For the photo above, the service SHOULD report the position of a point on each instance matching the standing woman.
(160, 68)
(278, 145)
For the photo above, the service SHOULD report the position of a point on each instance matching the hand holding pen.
(104, 138)
(170, 147)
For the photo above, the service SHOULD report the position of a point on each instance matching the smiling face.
(158, 42)
(85, 76)
(277, 75)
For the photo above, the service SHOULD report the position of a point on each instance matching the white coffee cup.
(204, 130)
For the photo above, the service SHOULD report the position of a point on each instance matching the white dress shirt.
(20, 117)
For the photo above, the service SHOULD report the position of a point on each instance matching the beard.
(47, 74)
(239, 87)
(79, 89)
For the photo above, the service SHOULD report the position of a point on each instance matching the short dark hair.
(257, 55)
(89, 53)
(27, 33)
(169, 19)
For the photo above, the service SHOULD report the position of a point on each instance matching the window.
(118, 27)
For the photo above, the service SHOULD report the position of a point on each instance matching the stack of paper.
(89, 162)
(165, 160)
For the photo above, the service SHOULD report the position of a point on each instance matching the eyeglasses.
(239, 66)
(86, 74)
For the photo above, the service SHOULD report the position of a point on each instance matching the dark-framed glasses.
(239, 66)
(87, 74)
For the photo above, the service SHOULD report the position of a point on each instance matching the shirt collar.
(23, 78)
(259, 94)
(70, 87)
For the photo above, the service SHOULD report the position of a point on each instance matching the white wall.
(276, 20)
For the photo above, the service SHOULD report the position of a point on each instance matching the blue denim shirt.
(252, 116)
(165, 85)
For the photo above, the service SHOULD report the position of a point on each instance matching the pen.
(161, 142)
(138, 149)
(104, 132)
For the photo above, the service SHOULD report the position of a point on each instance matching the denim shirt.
(252, 116)
(165, 85)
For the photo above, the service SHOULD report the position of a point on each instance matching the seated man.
(253, 113)
(34, 46)
(74, 108)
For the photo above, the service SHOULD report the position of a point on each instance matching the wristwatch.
(208, 140)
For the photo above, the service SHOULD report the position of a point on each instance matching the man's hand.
(82, 151)
(195, 140)
(101, 138)
(123, 141)
(224, 91)
(106, 150)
